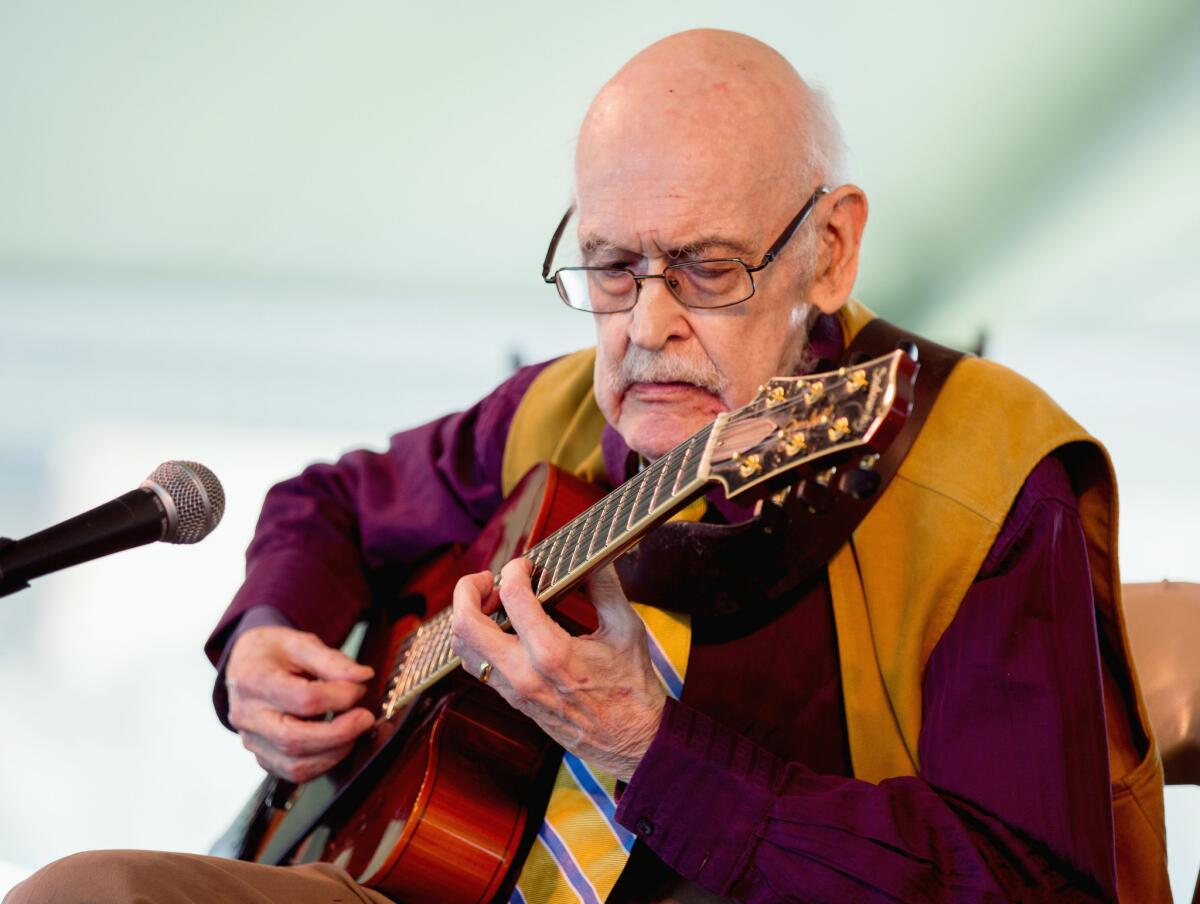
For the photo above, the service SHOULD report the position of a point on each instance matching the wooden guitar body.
(432, 804)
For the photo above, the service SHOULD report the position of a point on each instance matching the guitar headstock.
(811, 423)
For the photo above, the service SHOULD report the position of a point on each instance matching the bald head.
(707, 113)
(702, 149)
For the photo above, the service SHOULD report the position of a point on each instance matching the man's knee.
(90, 878)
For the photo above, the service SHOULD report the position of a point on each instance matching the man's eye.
(710, 269)
(612, 280)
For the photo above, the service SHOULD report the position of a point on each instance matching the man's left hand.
(596, 695)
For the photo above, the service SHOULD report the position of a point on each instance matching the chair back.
(1164, 632)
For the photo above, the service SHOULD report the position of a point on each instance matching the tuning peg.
(821, 365)
(909, 348)
(815, 495)
(859, 483)
(770, 511)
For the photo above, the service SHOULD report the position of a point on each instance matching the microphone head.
(192, 496)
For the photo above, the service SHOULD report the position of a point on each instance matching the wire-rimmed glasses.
(709, 283)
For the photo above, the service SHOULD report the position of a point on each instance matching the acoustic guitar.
(439, 800)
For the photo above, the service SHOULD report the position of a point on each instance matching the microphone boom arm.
(5, 587)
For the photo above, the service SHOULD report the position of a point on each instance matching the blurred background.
(259, 234)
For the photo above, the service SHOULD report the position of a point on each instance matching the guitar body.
(434, 802)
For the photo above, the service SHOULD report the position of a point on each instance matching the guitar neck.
(620, 519)
(568, 555)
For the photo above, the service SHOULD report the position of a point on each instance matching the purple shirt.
(1012, 797)
(1012, 801)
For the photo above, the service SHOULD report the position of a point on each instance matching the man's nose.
(658, 316)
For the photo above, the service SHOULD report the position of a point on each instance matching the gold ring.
(485, 671)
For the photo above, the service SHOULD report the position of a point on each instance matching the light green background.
(258, 233)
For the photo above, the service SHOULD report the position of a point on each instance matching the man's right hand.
(281, 683)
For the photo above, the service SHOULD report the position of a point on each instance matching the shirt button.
(644, 827)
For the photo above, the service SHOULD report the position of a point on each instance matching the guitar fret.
(672, 471)
(570, 538)
(408, 675)
(613, 514)
(401, 658)
(546, 556)
(557, 545)
(584, 528)
(680, 477)
(638, 512)
(410, 661)
(534, 555)
(433, 640)
(446, 658)
(628, 502)
(595, 515)
(562, 546)
(535, 577)
(622, 492)
(418, 670)
(600, 531)
(442, 653)
(634, 517)
(699, 442)
(401, 684)
(657, 486)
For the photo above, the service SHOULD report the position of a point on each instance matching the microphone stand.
(5, 543)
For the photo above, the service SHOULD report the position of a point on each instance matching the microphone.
(180, 502)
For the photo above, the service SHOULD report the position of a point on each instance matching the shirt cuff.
(700, 797)
(254, 617)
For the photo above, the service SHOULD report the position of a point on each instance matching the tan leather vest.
(896, 585)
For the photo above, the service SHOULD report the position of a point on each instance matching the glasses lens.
(709, 284)
(601, 291)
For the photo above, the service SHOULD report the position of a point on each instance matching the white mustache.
(642, 365)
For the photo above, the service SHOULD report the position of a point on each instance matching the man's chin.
(653, 432)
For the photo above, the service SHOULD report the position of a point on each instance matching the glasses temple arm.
(562, 225)
(790, 229)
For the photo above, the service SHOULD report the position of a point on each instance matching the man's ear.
(837, 248)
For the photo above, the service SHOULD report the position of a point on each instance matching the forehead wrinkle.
(592, 243)
(709, 242)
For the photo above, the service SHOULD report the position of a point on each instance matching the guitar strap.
(737, 576)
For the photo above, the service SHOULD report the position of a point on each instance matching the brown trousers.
(154, 877)
(157, 877)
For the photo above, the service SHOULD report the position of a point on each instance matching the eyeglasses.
(715, 283)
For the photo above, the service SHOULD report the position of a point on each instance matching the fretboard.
(565, 557)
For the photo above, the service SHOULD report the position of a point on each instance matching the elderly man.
(935, 716)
